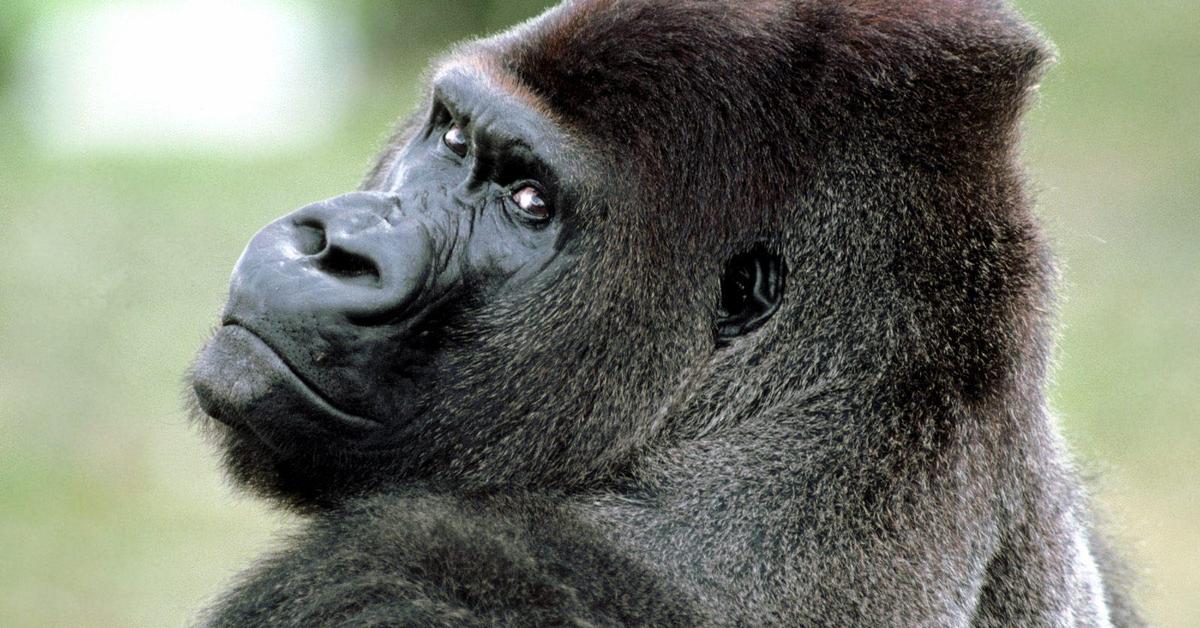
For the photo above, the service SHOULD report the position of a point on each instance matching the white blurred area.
(220, 76)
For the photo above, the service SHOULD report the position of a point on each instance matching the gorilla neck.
(793, 483)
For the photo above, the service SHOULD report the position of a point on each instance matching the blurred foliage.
(16, 16)
(113, 511)
(392, 32)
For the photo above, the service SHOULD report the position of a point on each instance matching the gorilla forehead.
(617, 69)
(656, 61)
(734, 104)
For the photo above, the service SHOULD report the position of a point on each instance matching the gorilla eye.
(529, 201)
(456, 140)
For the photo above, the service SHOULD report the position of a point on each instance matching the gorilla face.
(331, 329)
(420, 326)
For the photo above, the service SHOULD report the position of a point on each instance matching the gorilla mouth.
(242, 381)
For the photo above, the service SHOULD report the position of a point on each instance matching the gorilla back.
(672, 312)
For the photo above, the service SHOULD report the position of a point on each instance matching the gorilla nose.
(341, 237)
(355, 256)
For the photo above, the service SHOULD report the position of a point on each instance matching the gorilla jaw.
(237, 376)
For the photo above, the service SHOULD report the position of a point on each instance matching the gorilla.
(672, 312)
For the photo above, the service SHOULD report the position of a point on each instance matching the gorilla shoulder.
(424, 559)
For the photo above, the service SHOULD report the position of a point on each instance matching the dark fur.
(879, 454)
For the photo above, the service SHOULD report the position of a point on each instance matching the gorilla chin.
(242, 382)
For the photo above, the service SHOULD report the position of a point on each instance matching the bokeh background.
(142, 143)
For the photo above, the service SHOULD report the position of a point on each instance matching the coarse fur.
(880, 453)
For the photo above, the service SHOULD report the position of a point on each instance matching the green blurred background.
(123, 208)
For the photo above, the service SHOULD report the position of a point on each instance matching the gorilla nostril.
(349, 266)
(310, 237)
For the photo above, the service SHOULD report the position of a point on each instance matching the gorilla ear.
(751, 291)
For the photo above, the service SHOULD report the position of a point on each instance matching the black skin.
(672, 312)
(337, 299)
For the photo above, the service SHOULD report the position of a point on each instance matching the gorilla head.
(535, 273)
(576, 250)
